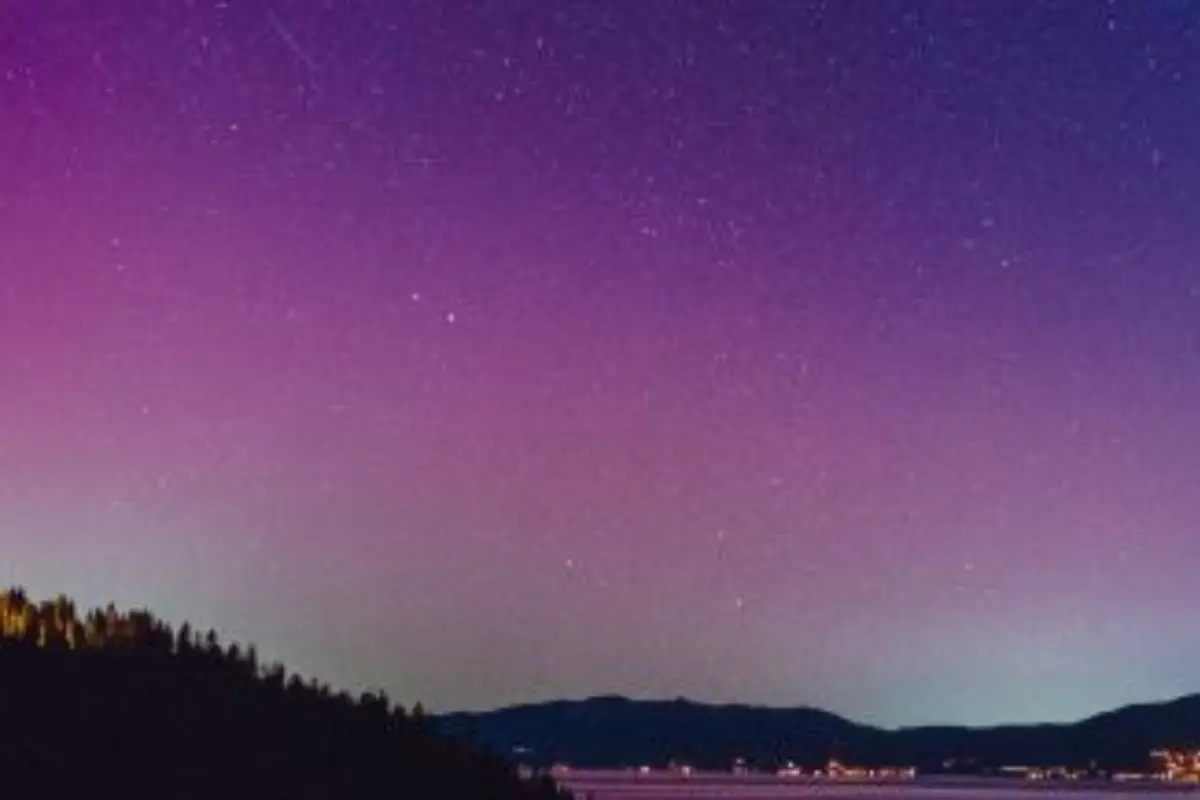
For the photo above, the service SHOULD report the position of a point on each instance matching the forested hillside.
(122, 705)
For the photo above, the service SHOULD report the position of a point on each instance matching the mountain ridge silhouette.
(615, 731)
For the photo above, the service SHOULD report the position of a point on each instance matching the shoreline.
(584, 779)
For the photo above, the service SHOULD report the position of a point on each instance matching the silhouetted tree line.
(120, 705)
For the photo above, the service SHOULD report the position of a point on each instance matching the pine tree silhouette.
(119, 704)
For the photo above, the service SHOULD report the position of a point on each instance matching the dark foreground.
(118, 705)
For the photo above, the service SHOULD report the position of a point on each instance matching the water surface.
(623, 786)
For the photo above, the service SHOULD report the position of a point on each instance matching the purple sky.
(781, 352)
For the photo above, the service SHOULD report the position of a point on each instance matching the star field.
(843, 354)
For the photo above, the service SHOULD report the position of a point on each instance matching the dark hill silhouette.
(119, 705)
(616, 732)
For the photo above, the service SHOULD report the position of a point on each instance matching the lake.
(594, 785)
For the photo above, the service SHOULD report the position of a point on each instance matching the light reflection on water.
(600, 786)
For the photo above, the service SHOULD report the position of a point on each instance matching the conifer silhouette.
(119, 704)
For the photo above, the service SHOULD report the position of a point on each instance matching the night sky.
(843, 354)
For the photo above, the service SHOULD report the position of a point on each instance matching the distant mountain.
(617, 732)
